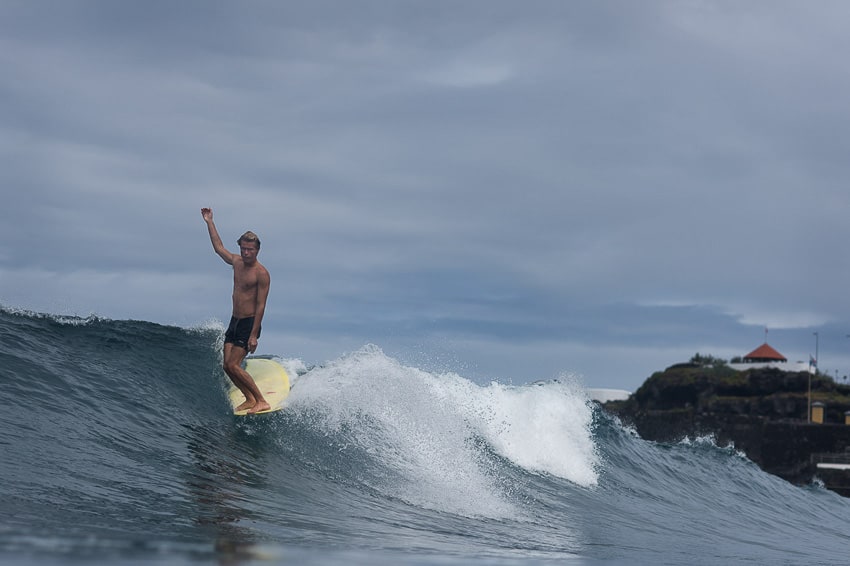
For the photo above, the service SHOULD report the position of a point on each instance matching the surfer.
(251, 283)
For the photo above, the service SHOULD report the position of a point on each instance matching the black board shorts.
(239, 330)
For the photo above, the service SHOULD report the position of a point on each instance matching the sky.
(512, 191)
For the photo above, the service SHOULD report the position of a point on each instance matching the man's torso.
(245, 288)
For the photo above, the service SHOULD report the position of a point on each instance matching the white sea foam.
(68, 320)
(213, 324)
(542, 428)
(424, 429)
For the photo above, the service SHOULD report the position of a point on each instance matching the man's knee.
(231, 366)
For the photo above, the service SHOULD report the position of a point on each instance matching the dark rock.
(763, 412)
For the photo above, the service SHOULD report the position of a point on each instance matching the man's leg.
(254, 400)
(233, 356)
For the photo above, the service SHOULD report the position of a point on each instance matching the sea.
(118, 446)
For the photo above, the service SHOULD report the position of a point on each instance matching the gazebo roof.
(765, 352)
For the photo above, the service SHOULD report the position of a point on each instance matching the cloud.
(560, 186)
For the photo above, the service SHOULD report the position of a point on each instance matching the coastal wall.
(783, 366)
(605, 395)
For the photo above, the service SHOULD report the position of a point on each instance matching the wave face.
(118, 446)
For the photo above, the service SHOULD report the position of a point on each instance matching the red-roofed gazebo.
(764, 353)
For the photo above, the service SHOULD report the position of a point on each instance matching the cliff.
(763, 412)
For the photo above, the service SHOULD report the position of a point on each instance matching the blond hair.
(249, 237)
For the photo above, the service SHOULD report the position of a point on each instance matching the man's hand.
(207, 214)
(252, 345)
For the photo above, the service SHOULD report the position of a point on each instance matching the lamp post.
(809, 408)
(845, 375)
(817, 371)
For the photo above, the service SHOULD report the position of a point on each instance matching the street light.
(845, 375)
(817, 338)
(809, 408)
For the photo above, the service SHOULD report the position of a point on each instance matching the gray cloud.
(527, 189)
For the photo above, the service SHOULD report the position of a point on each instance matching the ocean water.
(117, 446)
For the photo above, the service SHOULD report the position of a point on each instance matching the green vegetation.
(715, 388)
(707, 361)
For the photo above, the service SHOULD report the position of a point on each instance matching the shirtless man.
(251, 283)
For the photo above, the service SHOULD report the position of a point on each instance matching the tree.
(708, 360)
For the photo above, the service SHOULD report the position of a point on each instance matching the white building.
(766, 357)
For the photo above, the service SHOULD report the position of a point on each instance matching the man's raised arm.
(218, 246)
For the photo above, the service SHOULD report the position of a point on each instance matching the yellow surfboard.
(272, 380)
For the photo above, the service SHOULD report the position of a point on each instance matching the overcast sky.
(508, 190)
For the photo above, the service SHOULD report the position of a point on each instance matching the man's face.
(249, 251)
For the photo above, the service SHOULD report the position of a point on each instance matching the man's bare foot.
(245, 405)
(260, 406)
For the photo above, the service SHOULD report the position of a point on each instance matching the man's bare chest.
(244, 279)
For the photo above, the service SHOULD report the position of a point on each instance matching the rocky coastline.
(762, 412)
